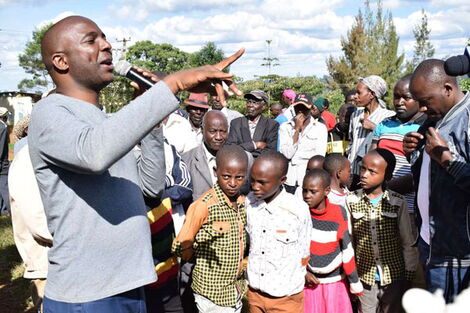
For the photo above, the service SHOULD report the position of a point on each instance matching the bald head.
(432, 70)
(53, 39)
(214, 116)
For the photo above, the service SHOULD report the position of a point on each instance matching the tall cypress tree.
(423, 47)
(371, 48)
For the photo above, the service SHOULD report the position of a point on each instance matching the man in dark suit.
(201, 160)
(254, 132)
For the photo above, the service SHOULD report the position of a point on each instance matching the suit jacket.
(266, 131)
(196, 161)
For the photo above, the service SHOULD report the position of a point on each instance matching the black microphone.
(125, 69)
(458, 65)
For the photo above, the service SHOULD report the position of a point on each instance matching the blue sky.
(303, 32)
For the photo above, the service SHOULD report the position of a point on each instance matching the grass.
(14, 289)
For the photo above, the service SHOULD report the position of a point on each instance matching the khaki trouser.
(37, 293)
(262, 303)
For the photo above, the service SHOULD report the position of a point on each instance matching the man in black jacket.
(254, 132)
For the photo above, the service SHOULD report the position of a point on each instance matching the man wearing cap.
(4, 163)
(301, 138)
(371, 111)
(197, 106)
(254, 132)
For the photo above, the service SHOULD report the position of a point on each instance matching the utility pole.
(123, 49)
(269, 60)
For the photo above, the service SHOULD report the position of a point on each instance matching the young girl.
(331, 251)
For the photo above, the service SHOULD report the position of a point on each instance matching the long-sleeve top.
(214, 232)
(91, 186)
(331, 250)
(361, 138)
(4, 162)
(312, 141)
(382, 238)
(280, 233)
(32, 238)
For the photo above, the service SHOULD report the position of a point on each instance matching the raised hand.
(437, 148)
(411, 142)
(207, 78)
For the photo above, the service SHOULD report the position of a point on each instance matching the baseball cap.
(3, 111)
(257, 94)
(304, 99)
(198, 100)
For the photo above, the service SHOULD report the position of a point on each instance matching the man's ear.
(283, 179)
(327, 191)
(59, 60)
(448, 88)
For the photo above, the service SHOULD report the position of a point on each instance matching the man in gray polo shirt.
(90, 182)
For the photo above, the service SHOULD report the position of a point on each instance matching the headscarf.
(376, 84)
(289, 94)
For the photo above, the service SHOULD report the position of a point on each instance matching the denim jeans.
(132, 301)
(450, 279)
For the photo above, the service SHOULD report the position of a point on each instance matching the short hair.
(389, 159)
(317, 158)
(405, 79)
(230, 153)
(214, 113)
(276, 157)
(334, 163)
(275, 104)
(319, 173)
(433, 71)
(349, 93)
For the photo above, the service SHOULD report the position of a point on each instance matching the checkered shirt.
(382, 238)
(219, 247)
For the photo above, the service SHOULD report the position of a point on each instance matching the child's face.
(231, 176)
(372, 171)
(314, 192)
(345, 174)
(265, 180)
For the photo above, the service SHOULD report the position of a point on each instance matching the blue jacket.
(449, 195)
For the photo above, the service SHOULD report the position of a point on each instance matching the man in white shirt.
(177, 130)
(279, 226)
(300, 139)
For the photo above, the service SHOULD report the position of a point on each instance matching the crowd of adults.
(158, 190)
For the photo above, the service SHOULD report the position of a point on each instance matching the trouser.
(186, 292)
(37, 293)
(165, 299)
(450, 279)
(4, 195)
(382, 299)
(204, 305)
(132, 301)
(259, 302)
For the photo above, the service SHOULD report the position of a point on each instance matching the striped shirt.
(331, 250)
(389, 135)
(361, 139)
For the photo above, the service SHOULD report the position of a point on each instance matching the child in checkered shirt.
(382, 236)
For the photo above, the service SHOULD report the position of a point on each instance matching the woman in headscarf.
(371, 111)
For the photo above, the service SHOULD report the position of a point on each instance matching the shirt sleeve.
(377, 132)
(286, 141)
(183, 244)
(71, 143)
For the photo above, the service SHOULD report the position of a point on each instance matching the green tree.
(208, 54)
(158, 57)
(31, 61)
(464, 83)
(371, 48)
(423, 47)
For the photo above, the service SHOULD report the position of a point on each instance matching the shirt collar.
(254, 122)
(222, 198)
(363, 195)
(261, 204)
(209, 155)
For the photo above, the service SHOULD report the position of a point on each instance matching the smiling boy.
(279, 227)
(214, 234)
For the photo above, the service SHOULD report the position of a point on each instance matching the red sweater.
(331, 250)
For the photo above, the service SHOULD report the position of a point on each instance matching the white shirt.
(178, 132)
(312, 141)
(210, 164)
(198, 134)
(280, 234)
(423, 197)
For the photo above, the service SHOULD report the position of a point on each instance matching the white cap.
(3, 111)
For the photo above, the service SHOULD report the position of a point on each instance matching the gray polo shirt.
(91, 186)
